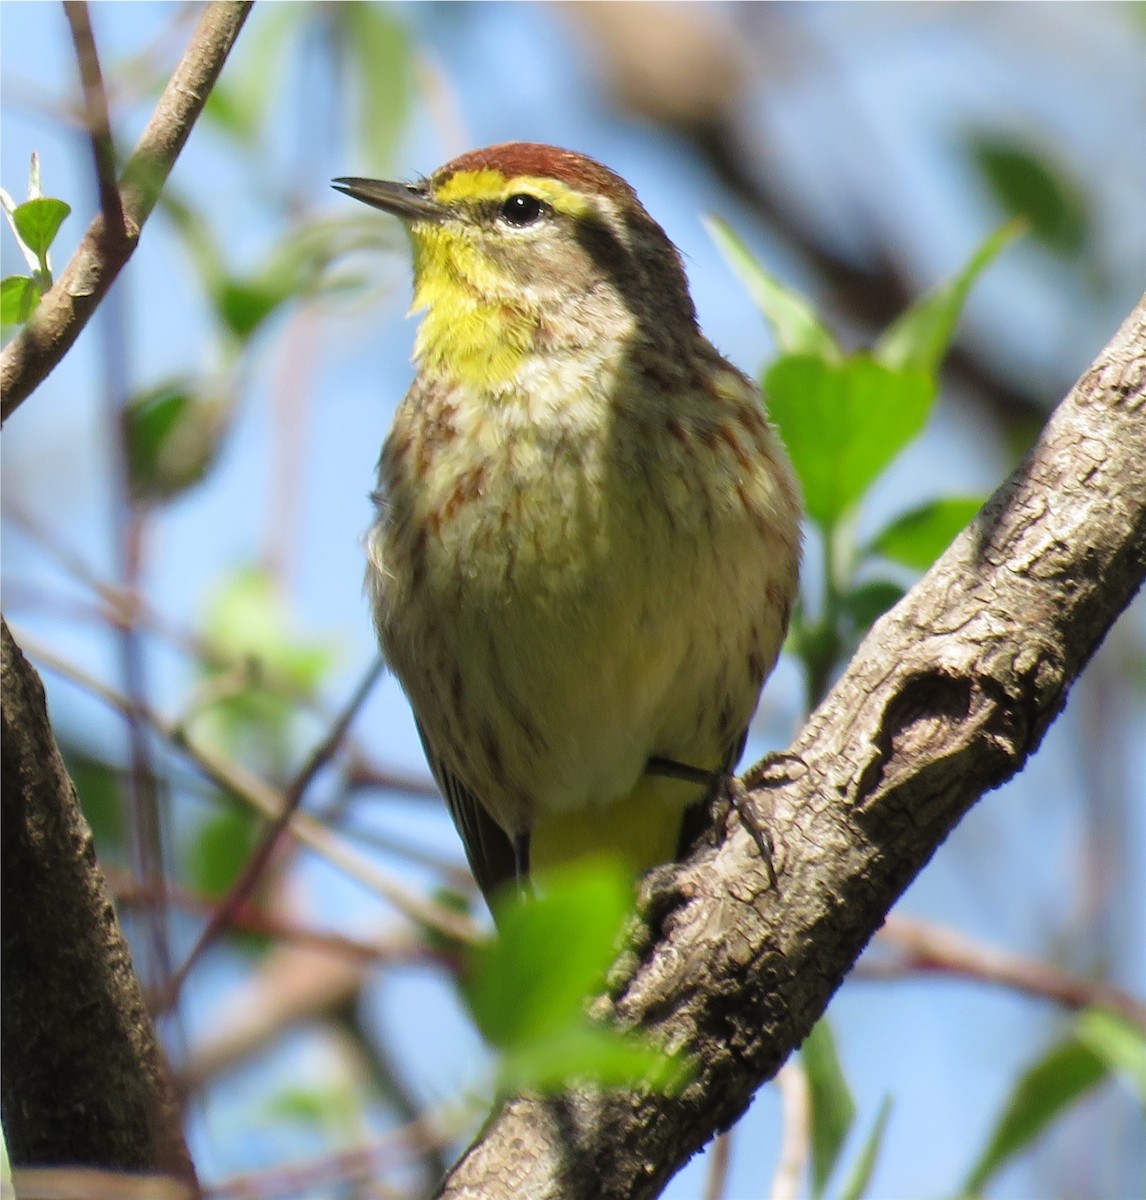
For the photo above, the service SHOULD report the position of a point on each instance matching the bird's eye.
(522, 209)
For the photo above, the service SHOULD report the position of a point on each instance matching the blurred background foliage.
(183, 500)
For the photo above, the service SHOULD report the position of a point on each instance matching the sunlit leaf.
(919, 337)
(843, 423)
(859, 1177)
(917, 538)
(1067, 1072)
(383, 57)
(551, 953)
(248, 620)
(583, 1052)
(528, 988)
(1120, 1045)
(832, 1108)
(18, 299)
(38, 221)
(792, 319)
(239, 102)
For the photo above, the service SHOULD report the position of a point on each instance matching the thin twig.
(719, 1162)
(359, 772)
(433, 1129)
(66, 308)
(291, 799)
(398, 947)
(96, 116)
(248, 787)
(931, 948)
(795, 1103)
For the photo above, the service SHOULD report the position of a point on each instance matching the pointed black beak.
(406, 200)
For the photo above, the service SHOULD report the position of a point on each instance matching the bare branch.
(938, 950)
(233, 777)
(946, 698)
(66, 308)
(96, 116)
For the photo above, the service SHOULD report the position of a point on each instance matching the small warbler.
(587, 537)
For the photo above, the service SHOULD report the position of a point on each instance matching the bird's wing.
(488, 849)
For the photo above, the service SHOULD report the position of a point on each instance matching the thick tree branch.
(84, 1082)
(64, 310)
(947, 697)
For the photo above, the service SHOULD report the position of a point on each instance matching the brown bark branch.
(65, 309)
(946, 698)
(84, 1081)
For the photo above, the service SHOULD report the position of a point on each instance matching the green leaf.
(582, 1052)
(19, 296)
(550, 955)
(243, 305)
(221, 850)
(843, 423)
(248, 620)
(1120, 1045)
(384, 59)
(793, 320)
(867, 602)
(919, 337)
(335, 1108)
(172, 437)
(1067, 1072)
(529, 987)
(239, 102)
(917, 538)
(832, 1108)
(37, 222)
(1031, 184)
(859, 1177)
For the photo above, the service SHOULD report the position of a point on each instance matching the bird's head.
(524, 249)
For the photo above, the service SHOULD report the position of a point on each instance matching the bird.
(586, 542)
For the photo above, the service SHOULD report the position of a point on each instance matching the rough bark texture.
(83, 1081)
(946, 698)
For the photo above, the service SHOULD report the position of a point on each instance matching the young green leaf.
(528, 988)
(584, 1052)
(832, 1108)
(1065, 1073)
(1120, 1045)
(919, 337)
(550, 955)
(383, 56)
(239, 101)
(859, 1177)
(37, 222)
(19, 296)
(793, 320)
(843, 423)
(917, 538)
